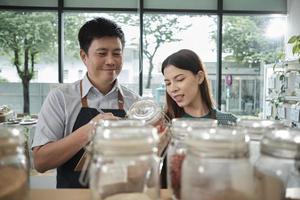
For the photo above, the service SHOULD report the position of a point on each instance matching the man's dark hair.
(98, 28)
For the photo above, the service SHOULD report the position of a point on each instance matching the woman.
(187, 89)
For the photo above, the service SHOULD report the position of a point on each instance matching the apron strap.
(120, 100)
(213, 114)
(84, 103)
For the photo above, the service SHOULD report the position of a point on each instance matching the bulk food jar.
(98, 127)
(149, 111)
(216, 166)
(124, 163)
(13, 165)
(278, 166)
(177, 148)
(255, 129)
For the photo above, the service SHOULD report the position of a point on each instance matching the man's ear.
(200, 76)
(83, 56)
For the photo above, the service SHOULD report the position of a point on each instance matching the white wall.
(293, 22)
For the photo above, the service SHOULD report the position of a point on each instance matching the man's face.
(104, 59)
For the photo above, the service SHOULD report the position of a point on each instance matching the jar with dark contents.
(13, 165)
(177, 148)
(124, 163)
(217, 167)
(278, 167)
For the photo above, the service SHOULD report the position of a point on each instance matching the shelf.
(292, 98)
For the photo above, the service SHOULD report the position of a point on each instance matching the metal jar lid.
(221, 142)
(124, 139)
(282, 143)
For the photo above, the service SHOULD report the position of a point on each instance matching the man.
(63, 126)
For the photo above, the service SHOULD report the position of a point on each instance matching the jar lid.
(229, 142)
(145, 109)
(282, 143)
(181, 126)
(10, 137)
(257, 127)
(125, 140)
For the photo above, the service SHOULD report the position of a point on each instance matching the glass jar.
(255, 129)
(98, 127)
(150, 112)
(177, 148)
(278, 165)
(13, 165)
(124, 163)
(217, 167)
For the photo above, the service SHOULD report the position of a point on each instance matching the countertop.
(74, 194)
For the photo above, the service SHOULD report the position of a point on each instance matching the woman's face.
(183, 86)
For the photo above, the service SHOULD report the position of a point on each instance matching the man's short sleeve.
(50, 126)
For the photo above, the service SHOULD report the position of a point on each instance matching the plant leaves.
(296, 49)
(292, 39)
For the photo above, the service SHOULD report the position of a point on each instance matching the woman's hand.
(164, 139)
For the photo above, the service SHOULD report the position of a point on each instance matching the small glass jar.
(255, 129)
(217, 167)
(177, 148)
(13, 165)
(278, 166)
(124, 163)
(150, 112)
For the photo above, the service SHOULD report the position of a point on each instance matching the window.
(38, 32)
(130, 25)
(28, 45)
(165, 34)
(249, 42)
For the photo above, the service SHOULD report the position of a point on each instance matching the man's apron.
(66, 176)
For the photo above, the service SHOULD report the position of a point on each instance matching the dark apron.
(163, 174)
(66, 176)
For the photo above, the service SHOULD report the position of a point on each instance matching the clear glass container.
(124, 163)
(149, 111)
(256, 129)
(13, 165)
(217, 167)
(177, 148)
(278, 166)
(98, 128)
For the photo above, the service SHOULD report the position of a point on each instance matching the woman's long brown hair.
(187, 60)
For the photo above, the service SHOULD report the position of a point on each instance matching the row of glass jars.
(210, 162)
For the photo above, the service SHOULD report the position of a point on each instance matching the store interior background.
(245, 96)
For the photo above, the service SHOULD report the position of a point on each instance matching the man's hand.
(104, 116)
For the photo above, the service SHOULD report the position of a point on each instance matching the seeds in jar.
(175, 172)
(129, 196)
(13, 183)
